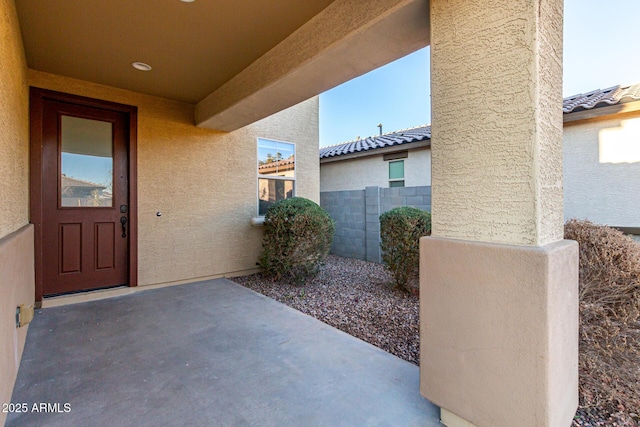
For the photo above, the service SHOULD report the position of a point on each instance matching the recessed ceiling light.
(141, 66)
(187, 1)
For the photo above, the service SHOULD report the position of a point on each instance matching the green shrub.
(400, 232)
(297, 236)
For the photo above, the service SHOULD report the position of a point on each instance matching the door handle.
(123, 221)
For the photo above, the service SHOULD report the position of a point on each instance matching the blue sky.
(600, 50)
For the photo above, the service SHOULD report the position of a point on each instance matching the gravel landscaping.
(357, 297)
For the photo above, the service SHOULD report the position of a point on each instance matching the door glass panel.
(86, 163)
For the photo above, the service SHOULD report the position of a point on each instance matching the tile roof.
(583, 101)
(277, 164)
(406, 136)
(601, 98)
(68, 181)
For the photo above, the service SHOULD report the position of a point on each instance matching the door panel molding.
(37, 98)
(70, 237)
(105, 236)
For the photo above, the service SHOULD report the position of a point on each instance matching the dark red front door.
(85, 200)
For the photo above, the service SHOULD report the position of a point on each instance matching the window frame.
(274, 177)
(394, 180)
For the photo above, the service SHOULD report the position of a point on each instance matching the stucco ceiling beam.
(346, 40)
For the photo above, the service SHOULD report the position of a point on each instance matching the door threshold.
(85, 296)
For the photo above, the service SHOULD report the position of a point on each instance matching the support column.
(499, 301)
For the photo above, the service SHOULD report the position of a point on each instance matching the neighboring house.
(76, 192)
(395, 170)
(601, 156)
(396, 159)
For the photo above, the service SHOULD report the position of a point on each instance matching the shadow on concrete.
(210, 353)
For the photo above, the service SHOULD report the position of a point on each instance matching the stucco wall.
(16, 237)
(361, 172)
(496, 265)
(14, 125)
(203, 182)
(499, 331)
(602, 171)
(16, 288)
(496, 142)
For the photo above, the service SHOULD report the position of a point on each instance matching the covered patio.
(210, 353)
(499, 300)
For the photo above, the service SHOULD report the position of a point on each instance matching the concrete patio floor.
(211, 353)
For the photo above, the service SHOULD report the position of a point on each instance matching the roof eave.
(598, 112)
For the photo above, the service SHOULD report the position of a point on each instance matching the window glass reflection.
(86, 163)
(276, 158)
(272, 190)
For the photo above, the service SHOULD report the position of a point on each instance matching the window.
(276, 172)
(396, 173)
(86, 162)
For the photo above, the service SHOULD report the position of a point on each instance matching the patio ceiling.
(237, 61)
(193, 48)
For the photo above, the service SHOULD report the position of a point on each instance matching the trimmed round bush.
(400, 232)
(297, 236)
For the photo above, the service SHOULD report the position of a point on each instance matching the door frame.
(36, 98)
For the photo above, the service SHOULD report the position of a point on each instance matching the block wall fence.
(357, 216)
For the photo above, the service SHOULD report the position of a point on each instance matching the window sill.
(257, 221)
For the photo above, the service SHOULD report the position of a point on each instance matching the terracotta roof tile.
(601, 98)
(400, 137)
(279, 163)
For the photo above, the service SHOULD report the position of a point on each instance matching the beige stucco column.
(499, 304)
